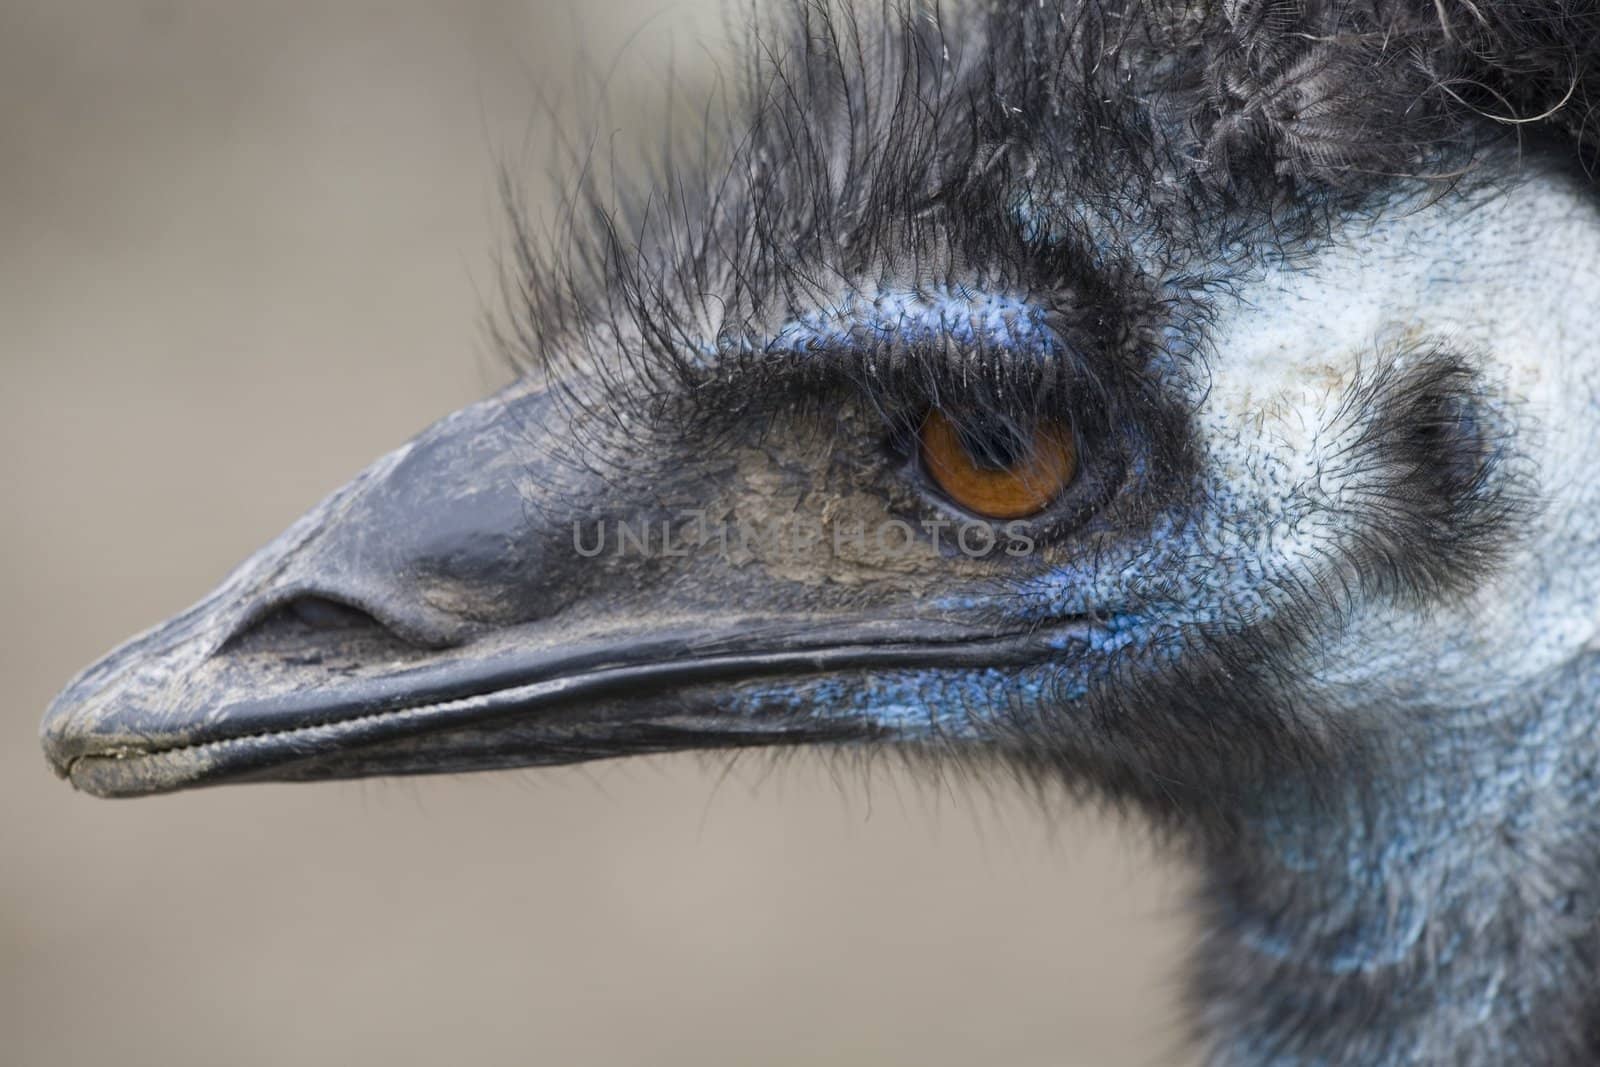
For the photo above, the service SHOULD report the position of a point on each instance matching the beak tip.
(91, 726)
(59, 732)
(66, 738)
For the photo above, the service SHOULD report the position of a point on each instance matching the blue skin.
(1364, 884)
(860, 322)
(1403, 889)
(949, 705)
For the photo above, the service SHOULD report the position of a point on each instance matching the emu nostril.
(320, 613)
(307, 621)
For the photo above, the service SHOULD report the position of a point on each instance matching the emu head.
(1194, 402)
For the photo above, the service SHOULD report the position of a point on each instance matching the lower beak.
(736, 685)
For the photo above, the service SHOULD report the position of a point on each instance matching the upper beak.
(436, 614)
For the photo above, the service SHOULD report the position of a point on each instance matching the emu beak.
(437, 614)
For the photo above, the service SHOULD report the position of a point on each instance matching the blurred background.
(245, 248)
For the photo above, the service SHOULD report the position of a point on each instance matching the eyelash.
(1103, 459)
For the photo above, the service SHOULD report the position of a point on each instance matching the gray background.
(244, 248)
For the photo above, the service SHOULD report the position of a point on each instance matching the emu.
(1190, 402)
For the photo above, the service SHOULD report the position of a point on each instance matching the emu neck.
(1438, 905)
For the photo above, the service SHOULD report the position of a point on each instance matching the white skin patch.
(1507, 280)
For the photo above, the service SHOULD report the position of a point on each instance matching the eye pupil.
(999, 475)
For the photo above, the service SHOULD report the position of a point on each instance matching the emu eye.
(1009, 477)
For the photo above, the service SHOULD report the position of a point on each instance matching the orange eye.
(1026, 486)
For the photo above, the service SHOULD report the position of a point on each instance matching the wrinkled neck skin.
(1436, 899)
(1438, 909)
